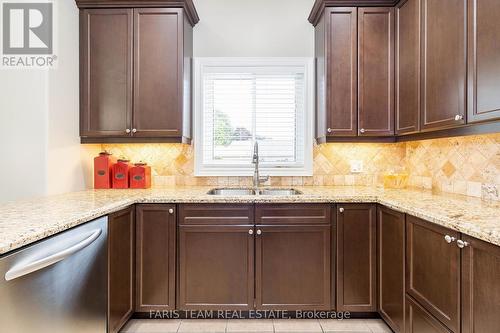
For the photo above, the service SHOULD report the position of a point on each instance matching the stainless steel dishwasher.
(58, 284)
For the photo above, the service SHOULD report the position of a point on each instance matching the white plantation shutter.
(239, 105)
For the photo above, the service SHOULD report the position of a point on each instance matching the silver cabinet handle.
(37, 265)
(341, 209)
(250, 232)
(362, 130)
(329, 130)
(171, 211)
(259, 232)
(449, 239)
(134, 130)
(459, 117)
(127, 130)
(461, 244)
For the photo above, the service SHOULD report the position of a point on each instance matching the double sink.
(251, 191)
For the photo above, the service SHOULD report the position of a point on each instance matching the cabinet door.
(408, 67)
(418, 320)
(443, 63)
(105, 72)
(155, 251)
(158, 72)
(342, 113)
(356, 258)
(121, 235)
(216, 267)
(376, 71)
(433, 270)
(292, 267)
(484, 60)
(391, 267)
(480, 287)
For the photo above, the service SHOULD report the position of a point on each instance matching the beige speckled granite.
(24, 222)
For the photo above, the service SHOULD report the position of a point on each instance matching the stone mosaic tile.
(462, 165)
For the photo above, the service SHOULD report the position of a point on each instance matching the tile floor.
(256, 326)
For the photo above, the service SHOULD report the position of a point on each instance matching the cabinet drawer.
(219, 214)
(293, 214)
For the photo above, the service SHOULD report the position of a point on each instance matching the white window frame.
(201, 65)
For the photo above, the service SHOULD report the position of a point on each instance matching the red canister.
(103, 165)
(140, 176)
(120, 173)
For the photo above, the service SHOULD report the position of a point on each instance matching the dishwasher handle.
(36, 265)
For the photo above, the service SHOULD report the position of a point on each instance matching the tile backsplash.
(462, 165)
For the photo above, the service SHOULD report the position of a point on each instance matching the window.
(242, 101)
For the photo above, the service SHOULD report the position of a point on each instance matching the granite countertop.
(27, 221)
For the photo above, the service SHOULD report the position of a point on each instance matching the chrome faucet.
(257, 180)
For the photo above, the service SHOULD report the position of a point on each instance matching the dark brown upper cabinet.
(355, 72)
(480, 287)
(155, 257)
(408, 67)
(136, 71)
(106, 72)
(391, 267)
(376, 71)
(444, 38)
(433, 270)
(336, 48)
(356, 257)
(483, 60)
(121, 254)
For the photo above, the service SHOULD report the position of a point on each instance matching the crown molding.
(187, 5)
(320, 5)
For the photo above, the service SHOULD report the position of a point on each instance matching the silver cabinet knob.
(341, 209)
(127, 130)
(449, 239)
(329, 130)
(171, 211)
(134, 130)
(461, 244)
(259, 232)
(362, 130)
(250, 232)
(459, 117)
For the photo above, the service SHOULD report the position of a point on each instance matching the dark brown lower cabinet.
(155, 257)
(356, 258)
(391, 267)
(433, 270)
(480, 287)
(292, 267)
(419, 320)
(121, 235)
(216, 267)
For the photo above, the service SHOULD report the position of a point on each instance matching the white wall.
(39, 142)
(253, 28)
(68, 163)
(23, 133)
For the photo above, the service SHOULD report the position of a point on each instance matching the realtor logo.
(27, 34)
(27, 28)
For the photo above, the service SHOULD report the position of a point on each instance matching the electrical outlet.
(356, 166)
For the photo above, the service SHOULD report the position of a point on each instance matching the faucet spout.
(257, 180)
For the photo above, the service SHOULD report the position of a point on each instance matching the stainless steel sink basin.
(231, 191)
(249, 191)
(279, 191)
